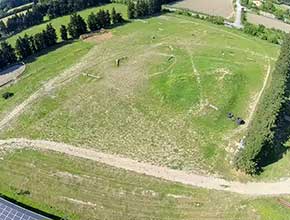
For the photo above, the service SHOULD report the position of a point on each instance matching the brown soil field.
(11, 74)
(222, 8)
(268, 22)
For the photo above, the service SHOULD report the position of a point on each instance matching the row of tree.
(96, 21)
(263, 138)
(143, 8)
(260, 31)
(64, 7)
(28, 45)
(49, 8)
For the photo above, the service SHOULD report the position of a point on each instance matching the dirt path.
(208, 182)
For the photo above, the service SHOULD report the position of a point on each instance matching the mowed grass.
(57, 22)
(156, 106)
(80, 189)
(40, 70)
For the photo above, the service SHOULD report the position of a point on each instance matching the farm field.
(57, 22)
(168, 110)
(268, 22)
(222, 8)
(79, 189)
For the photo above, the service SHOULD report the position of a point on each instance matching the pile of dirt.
(97, 37)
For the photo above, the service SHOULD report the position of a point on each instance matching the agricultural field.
(224, 8)
(79, 189)
(57, 22)
(268, 22)
(166, 103)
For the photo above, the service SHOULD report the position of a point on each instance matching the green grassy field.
(65, 20)
(40, 70)
(81, 189)
(156, 106)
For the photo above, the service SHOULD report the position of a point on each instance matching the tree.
(39, 41)
(107, 18)
(93, 22)
(77, 26)
(3, 28)
(113, 15)
(8, 53)
(50, 35)
(23, 47)
(116, 17)
(131, 10)
(63, 33)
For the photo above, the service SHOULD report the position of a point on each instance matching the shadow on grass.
(276, 149)
(35, 210)
(47, 50)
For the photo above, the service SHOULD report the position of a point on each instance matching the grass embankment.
(81, 189)
(156, 105)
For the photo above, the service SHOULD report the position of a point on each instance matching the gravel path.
(208, 182)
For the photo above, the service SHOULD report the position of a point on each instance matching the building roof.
(10, 211)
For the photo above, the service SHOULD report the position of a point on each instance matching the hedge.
(261, 136)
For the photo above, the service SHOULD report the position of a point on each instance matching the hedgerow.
(261, 138)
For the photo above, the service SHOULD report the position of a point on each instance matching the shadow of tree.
(277, 148)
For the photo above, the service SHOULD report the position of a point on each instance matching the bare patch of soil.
(98, 37)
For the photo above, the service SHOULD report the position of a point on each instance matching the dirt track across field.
(208, 182)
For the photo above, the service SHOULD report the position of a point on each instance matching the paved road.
(238, 19)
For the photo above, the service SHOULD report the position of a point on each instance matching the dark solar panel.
(10, 211)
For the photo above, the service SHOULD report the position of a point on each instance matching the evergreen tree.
(23, 47)
(77, 26)
(157, 6)
(113, 15)
(107, 18)
(116, 17)
(39, 41)
(93, 22)
(131, 10)
(8, 53)
(3, 28)
(50, 35)
(101, 17)
(63, 33)
(3, 62)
